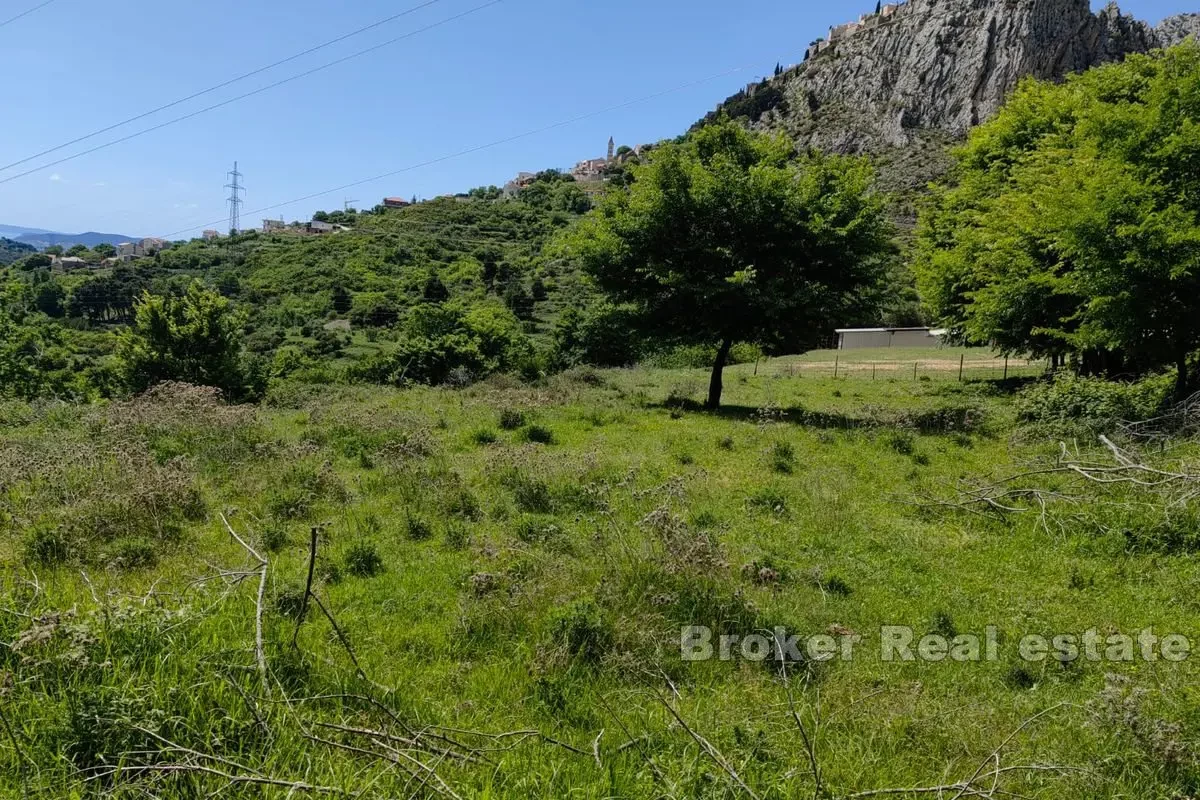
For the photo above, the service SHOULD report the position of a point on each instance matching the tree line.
(1067, 229)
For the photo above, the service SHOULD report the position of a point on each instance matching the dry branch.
(260, 654)
(706, 746)
(970, 787)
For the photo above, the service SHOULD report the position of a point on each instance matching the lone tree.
(731, 236)
(196, 339)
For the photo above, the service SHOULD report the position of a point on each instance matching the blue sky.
(78, 65)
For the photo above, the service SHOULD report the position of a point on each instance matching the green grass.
(497, 582)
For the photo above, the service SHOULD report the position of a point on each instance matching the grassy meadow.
(507, 569)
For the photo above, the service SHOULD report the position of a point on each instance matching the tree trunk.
(715, 383)
(1182, 379)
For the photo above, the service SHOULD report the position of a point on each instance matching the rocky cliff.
(902, 84)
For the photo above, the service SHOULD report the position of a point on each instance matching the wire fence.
(960, 368)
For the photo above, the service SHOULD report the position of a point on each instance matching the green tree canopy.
(731, 236)
(1070, 227)
(196, 338)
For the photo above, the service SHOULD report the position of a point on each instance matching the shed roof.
(881, 330)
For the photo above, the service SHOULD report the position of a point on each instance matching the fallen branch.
(233, 778)
(809, 742)
(968, 787)
(260, 654)
(709, 749)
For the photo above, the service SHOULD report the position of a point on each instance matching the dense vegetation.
(10, 251)
(1072, 228)
(454, 289)
(345, 305)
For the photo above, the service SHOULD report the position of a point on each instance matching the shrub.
(290, 601)
(363, 560)
(457, 537)
(532, 530)
(47, 547)
(703, 356)
(901, 441)
(582, 631)
(537, 434)
(783, 458)
(950, 418)
(484, 436)
(1092, 402)
(768, 499)
(417, 529)
(196, 338)
(275, 537)
(133, 553)
(532, 495)
(462, 503)
(598, 334)
(511, 419)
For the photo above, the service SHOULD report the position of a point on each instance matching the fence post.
(836, 360)
(872, 370)
(1006, 368)
(962, 359)
(914, 370)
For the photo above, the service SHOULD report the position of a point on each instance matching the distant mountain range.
(41, 239)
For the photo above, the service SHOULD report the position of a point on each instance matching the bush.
(195, 339)
(484, 436)
(536, 434)
(363, 560)
(783, 458)
(901, 441)
(702, 356)
(599, 335)
(133, 553)
(582, 631)
(511, 419)
(950, 418)
(444, 342)
(1092, 402)
(532, 495)
(418, 530)
(47, 547)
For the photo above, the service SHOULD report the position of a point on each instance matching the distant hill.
(13, 231)
(10, 251)
(44, 239)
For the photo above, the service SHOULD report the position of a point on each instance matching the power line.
(221, 85)
(477, 148)
(275, 85)
(25, 13)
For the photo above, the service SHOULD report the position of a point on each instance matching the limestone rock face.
(903, 84)
(1174, 30)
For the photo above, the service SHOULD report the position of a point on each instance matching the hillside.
(10, 251)
(373, 272)
(903, 86)
(344, 300)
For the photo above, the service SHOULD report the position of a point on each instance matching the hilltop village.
(840, 33)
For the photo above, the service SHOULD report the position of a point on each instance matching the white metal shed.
(862, 338)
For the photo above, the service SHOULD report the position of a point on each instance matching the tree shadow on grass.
(945, 419)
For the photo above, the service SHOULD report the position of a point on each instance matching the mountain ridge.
(902, 84)
(41, 239)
